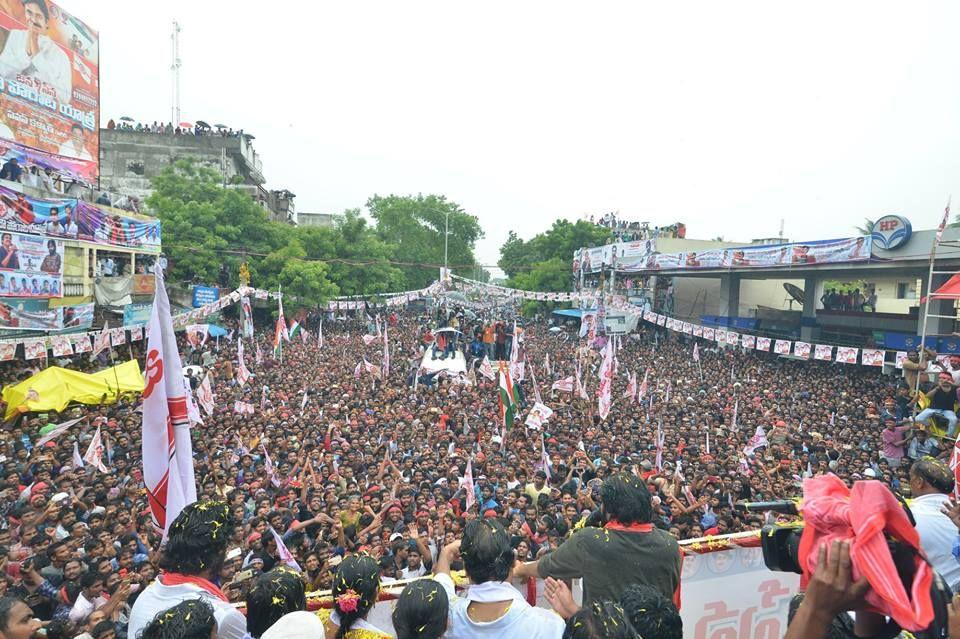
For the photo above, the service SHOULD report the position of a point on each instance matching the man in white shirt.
(75, 147)
(195, 552)
(931, 483)
(30, 52)
(90, 597)
(491, 606)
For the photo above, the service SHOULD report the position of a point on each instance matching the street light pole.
(446, 240)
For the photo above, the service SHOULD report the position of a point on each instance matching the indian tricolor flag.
(295, 329)
(508, 399)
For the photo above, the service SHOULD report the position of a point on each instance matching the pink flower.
(348, 601)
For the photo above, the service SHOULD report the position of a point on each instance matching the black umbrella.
(221, 126)
(202, 124)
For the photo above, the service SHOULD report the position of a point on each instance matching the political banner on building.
(29, 315)
(851, 249)
(23, 214)
(100, 226)
(731, 593)
(82, 171)
(30, 266)
(78, 316)
(134, 314)
(49, 82)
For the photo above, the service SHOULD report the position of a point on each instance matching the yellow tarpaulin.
(54, 388)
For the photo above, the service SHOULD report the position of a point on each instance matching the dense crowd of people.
(363, 478)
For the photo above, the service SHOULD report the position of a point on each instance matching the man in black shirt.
(942, 399)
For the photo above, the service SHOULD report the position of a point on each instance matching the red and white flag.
(544, 457)
(943, 224)
(759, 440)
(642, 391)
(56, 432)
(193, 413)
(77, 459)
(357, 370)
(259, 355)
(631, 391)
(605, 395)
(373, 369)
(243, 373)
(167, 451)
(283, 554)
(546, 364)
(733, 422)
(564, 385)
(580, 390)
(536, 387)
(101, 341)
(94, 454)
(470, 495)
(205, 396)
(268, 466)
(386, 353)
(696, 352)
(486, 369)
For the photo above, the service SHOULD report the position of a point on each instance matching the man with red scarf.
(627, 550)
(195, 552)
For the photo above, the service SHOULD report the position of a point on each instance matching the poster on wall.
(134, 314)
(30, 266)
(29, 314)
(79, 316)
(49, 99)
(100, 226)
(40, 216)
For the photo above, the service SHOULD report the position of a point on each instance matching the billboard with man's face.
(49, 87)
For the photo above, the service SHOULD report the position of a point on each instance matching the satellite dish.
(795, 292)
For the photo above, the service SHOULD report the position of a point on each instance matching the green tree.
(413, 226)
(867, 228)
(358, 260)
(559, 241)
(206, 227)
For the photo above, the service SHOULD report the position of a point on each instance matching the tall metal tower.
(175, 73)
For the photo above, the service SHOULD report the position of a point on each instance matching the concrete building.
(682, 278)
(130, 159)
(316, 219)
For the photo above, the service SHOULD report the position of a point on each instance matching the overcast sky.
(726, 116)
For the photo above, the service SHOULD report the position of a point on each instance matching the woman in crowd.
(355, 591)
(421, 611)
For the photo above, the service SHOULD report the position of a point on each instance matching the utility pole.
(446, 240)
(175, 72)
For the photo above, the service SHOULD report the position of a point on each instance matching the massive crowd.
(362, 479)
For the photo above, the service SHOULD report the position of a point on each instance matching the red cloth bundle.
(864, 516)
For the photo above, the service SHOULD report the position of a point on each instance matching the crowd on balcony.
(624, 231)
(169, 128)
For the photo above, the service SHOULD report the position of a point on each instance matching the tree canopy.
(543, 262)
(209, 230)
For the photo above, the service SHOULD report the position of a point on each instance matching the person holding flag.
(167, 451)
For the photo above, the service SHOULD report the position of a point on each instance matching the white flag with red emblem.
(470, 495)
(167, 451)
(696, 352)
(486, 369)
(605, 394)
(205, 395)
(94, 454)
(642, 391)
(283, 554)
(243, 373)
(631, 391)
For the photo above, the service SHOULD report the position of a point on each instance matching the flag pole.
(926, 306)
(281, 318)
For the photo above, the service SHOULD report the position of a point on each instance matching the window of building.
(902, 290)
